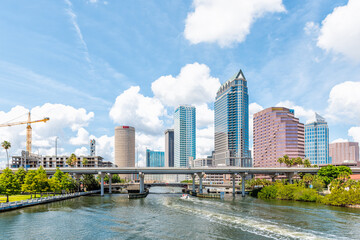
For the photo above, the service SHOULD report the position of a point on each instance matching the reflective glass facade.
(232, 123)
(317, 141)
(184, 135)
(155, 158)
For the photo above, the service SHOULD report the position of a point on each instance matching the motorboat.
(184, 197)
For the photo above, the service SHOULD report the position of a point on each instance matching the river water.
(163, 215)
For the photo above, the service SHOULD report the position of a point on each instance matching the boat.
(185, 197)
(134, 195)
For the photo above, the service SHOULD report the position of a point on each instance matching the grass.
(15, 198)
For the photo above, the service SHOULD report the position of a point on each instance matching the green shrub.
(306, 195)
(286, 192)
(268, 192)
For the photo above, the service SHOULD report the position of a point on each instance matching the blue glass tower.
(317, 141)
(155, 158)
(184, 135)
(232, 123)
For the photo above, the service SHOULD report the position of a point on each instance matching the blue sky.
(92, 65)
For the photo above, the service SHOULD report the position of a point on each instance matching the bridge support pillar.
(142, 176)
(102, 175)
(243, 176)
(233, 182)
(290, 176)
(110, 182)
(193, 183)
(273, 177)
(201, 175)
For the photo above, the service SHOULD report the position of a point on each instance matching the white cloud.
(340, 31)
(62, 118)
(146, 141)
(311, 28)
(81, 151)
(300, 112)
(104, 147)
(253, 108)
(193, 85)
(204, 116)
(134, 109)
(204, 141)
(226, 22)
(354, 132)
(82, 137)
(339, 140)
(344, 102)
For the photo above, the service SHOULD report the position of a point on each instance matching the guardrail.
(36, 201)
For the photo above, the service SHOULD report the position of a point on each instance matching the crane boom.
(28, 129)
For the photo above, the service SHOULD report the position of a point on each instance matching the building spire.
(240, 75)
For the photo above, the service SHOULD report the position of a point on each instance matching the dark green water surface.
(166, 216)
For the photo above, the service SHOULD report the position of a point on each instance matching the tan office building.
(124, 146)
(344, 153)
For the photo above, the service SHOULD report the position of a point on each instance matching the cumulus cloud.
(204, 141)
(226, 22)
(134, 109)
(81, 151)
(354, 132)
(340, 31)
(82, 137)
(204, 116)
(300, 112)
(339, 140)
(193, 85)
(62, 118)
(344, 102)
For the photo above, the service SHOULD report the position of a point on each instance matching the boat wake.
(255, 226)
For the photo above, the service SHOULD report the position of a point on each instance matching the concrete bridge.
(200, 172)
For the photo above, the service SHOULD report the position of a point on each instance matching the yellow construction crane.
(28, 129)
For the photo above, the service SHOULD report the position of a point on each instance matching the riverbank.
(341, 197)
(36, 201)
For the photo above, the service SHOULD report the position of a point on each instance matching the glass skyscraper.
(155, 158)
(232, 123)
(184, 135)
(317, 141)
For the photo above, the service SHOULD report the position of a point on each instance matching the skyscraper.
(277, 132)
(154, 158)
(317, 141)
(232, 123)
(169, 148)
(124, 144)
(184, 135)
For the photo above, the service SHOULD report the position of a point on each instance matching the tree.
(20, 175)
(29, 185)
(298, 161)
(6, 145)
(307, 163)
(307, 178)
(71, 161)
(41, 181)
(85, 161)
(55, 181)
(90, 182)
(8, 184)
(331, 172)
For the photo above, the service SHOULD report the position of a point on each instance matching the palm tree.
(307, 163)
(6, 145)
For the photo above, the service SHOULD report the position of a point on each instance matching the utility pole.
(56, 138)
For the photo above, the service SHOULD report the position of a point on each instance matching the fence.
(36, 201)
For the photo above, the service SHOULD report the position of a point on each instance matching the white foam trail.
(249, 225)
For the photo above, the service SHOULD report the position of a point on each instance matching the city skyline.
(89, 74)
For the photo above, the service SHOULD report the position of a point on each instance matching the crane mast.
(28, 129)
